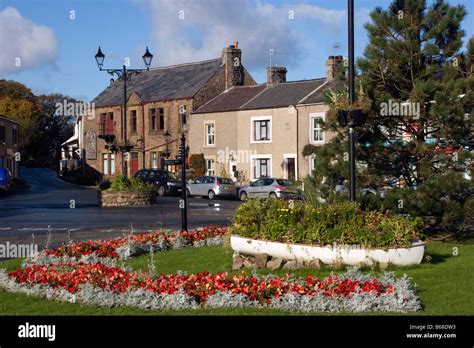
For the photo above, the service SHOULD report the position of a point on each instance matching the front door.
(290, 168)
(233, 169)
(134, 164)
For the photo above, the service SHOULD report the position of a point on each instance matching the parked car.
(5, 179)
(382, 191)
(340, 187)
(211, 187)
(447, 147)
(270, 187)
(166, 183)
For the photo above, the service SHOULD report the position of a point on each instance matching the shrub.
(445, 202)
(121, 183)
(340, 223)
(197, 164)
(138, 185)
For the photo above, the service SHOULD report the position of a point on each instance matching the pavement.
(66, 209)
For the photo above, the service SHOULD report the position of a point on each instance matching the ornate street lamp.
(99, 58)
(124, 74)
(147, 58)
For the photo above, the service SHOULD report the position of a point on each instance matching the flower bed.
(87, 283)
(131, 245)
(87, 272)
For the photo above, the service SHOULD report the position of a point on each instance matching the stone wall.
(109, 198)
(265, 261)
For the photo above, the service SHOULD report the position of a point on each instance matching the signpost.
(173, 162)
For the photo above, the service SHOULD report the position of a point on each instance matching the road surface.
(50, 201)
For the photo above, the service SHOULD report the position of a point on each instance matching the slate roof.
(231, 100)
(8, 119)
(319, 95)
(174, 82)
(283, 94)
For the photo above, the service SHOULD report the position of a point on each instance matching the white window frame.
(112, 163)
(206, 134)
(210, 171)
(105, 163)
(154, 159)
(285, 166)
(252, 130)
(312, 117)
(255, 157)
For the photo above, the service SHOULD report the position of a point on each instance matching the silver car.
(270, 187)
(211, 186)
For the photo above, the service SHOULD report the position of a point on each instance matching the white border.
(260, 118)
(313, 115)
(252, 157)
(205, 133)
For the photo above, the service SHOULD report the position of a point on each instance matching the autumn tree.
(42, 130)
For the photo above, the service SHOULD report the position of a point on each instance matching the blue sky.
(57, 52)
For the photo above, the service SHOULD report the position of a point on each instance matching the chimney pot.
(331, 66)
(232, 60)
(236, 44)
(276, 74)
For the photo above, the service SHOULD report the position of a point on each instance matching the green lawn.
(444, 286)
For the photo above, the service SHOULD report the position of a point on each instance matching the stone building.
(9, 145)
(153, 102)
(260, 131)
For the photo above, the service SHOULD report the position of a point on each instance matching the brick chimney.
(232, 60)
(276, 74)
(331, 65)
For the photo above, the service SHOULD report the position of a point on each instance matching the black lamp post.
(352, 177)
(352, 117)
(124, 74)
(182, 150)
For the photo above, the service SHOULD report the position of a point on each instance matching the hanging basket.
(354, 118)
(357, 118)
(342, 118)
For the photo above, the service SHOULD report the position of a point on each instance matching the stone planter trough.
(349, 255)
(107, 198)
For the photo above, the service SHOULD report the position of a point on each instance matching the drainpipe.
(143, 136)
(297, 164)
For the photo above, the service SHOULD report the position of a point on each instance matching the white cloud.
(20, 38)
(210, 25)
